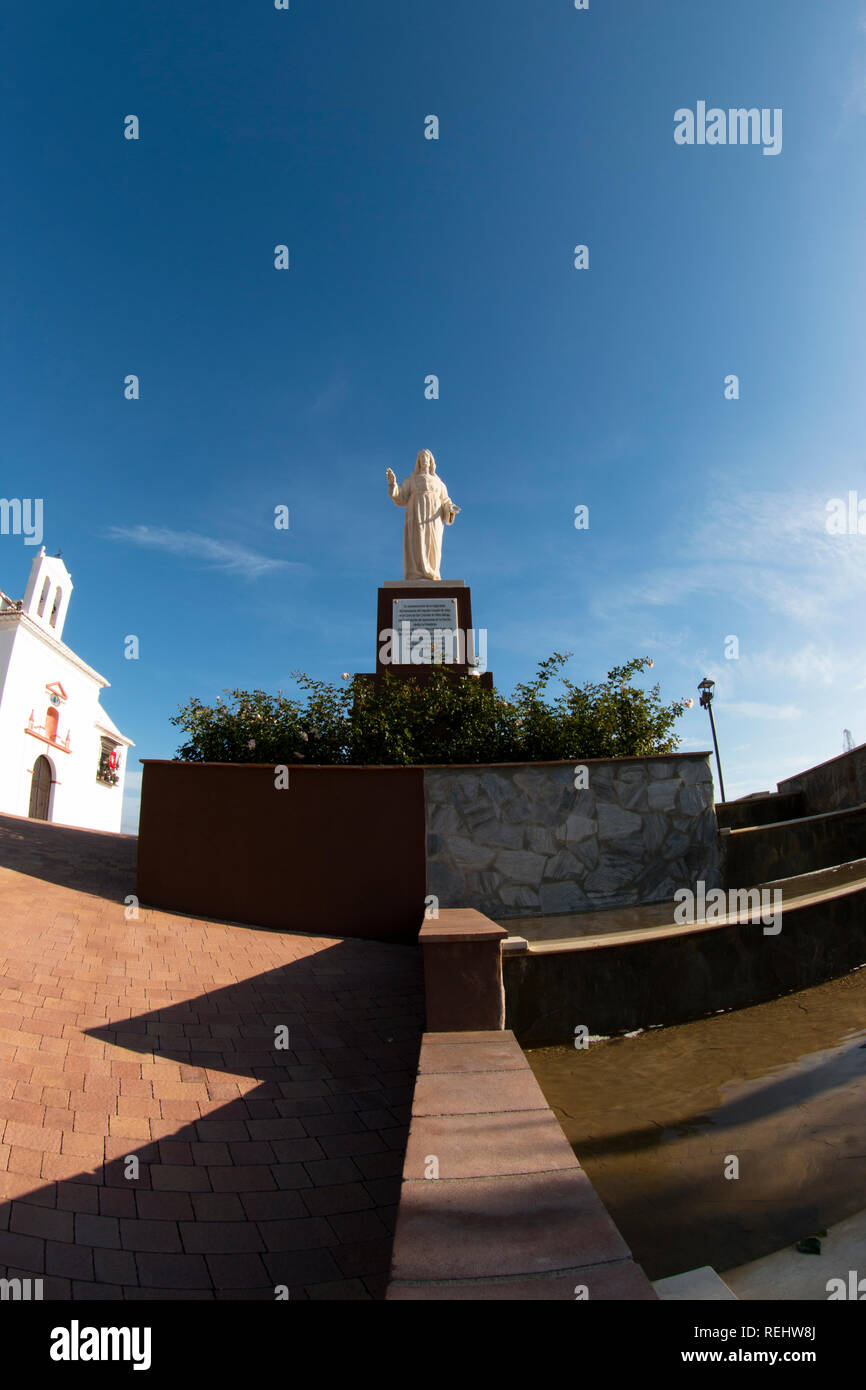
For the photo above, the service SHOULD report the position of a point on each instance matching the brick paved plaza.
(155, 1038)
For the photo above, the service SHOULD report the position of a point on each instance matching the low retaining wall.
(355, 851)
(340, 851)
(831, 786)
(519, 838)
(759, 810)
(682, 973)
(494, 1205)
(769, 852)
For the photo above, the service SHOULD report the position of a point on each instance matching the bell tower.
(48, 591)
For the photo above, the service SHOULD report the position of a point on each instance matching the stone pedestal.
(406, 610)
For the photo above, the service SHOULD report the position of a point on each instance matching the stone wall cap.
(471, 1037)
(460, 924)
(514, 945)
(563, 762)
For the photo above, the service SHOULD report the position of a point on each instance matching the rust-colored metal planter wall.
(340, 851)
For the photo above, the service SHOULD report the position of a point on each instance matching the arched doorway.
(40, 789)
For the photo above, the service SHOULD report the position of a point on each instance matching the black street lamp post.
(706, 688)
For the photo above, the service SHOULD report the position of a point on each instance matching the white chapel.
(61, 757)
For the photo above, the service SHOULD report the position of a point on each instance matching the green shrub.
(449, 720)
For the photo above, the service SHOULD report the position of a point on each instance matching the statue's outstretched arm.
(394, 489)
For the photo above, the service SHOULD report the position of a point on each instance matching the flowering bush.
(447, 720)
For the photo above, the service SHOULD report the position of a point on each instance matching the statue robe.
(428, 510)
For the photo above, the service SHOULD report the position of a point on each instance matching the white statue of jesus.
(428, 510)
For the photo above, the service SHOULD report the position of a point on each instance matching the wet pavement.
(657, 1121)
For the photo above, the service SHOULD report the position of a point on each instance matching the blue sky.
(409, 256)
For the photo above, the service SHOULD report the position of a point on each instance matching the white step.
(703, 1285)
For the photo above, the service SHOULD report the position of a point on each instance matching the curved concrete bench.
(666, 973)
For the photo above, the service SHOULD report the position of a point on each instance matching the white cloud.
(227, 555)
(333, 395)
(772, 549)
(808, 665)
(757, 709)
(854, 103)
